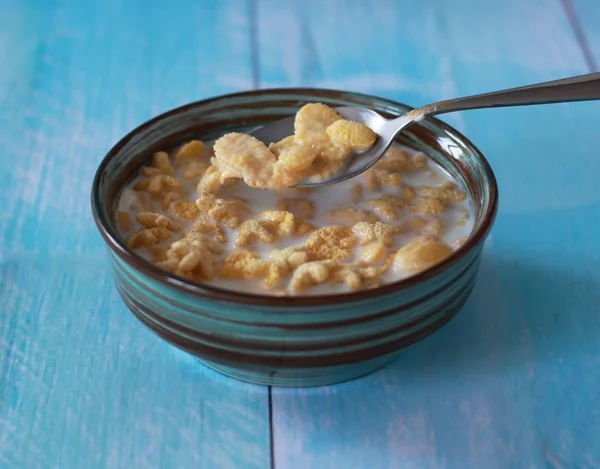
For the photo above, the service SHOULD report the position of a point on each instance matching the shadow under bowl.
(291, 341)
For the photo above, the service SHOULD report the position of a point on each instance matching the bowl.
(303, 340)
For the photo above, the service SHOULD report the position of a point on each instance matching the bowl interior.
(243, 112)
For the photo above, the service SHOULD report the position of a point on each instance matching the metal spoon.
(580, 88)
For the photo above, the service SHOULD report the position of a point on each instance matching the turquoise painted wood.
(513, 381)
(586, 15)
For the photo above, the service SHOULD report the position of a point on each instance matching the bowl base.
(303, 377)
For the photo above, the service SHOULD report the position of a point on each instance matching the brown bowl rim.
(116, 244)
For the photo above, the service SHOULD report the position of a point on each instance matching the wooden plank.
(82, 384)
(585, 18)
(513, 380)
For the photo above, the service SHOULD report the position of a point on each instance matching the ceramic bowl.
(291, 341)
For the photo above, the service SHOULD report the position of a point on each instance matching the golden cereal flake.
(186, 209)
(326, 165)
(387, 206)
(311, 122)
(425, 225)
(377, 178)
(148, 237)
(310, 274)
(261, 230)
(159, 184)
(160, 165)
(289, 258)
(428, 205)
(192, 257)
(378, 231)
(156, 220)
(196, 170)
(242, 156)
(205, 226)
(301, 207)
(283, 177)
(332, 242)
(124, 219)
(398, 160)
(200, 239)
(350, 216)
(356, 276)
(421, 254)
(191, 149)
(374, 252)
(356, 192)
(446, 193)
(170, 197)
(286, 223)
(159, 253)
(293, 156)
(462, 221)
(243, 265)
(357, 136)
(210, 182)
(227, 211)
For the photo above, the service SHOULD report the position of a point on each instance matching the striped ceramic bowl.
(297, 341)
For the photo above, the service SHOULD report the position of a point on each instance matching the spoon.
(579, 88)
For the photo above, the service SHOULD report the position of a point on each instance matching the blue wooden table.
(512, 382)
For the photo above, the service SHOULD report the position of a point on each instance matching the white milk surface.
(326, 198)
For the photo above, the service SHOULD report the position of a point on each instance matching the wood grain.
(513, 380)
(586, 16)
(82, 384)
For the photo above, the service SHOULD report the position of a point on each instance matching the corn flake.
(160, 165)
(261, 230)
(421, 254)
(191, 149)
(332, 242)
(355, 135)
(378, 231)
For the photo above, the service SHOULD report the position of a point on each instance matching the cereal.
(244, 157)
(350, 216)
(374, 252)
(227, 211)
(398, 160)
(185, 209)
(243, 264)
(312, 120)
(286, 223)
(196, 170)
(210, 182)
(289, 258)
(357, 136)
(301, 207)
(425, 224)
(156, 220)
(161, 165)
(356, 193)
(158, 184)
(310, 274)
(290, 240)
(171, 197)
(356, 276)
(380, 231)
(124, 220)
(332, 242)
(191, 149)
(387, 206)
(378, 178)
(293, 156)
(148, 237)
(261, 230)
(192, 257)
(421, 254)
(205, 226)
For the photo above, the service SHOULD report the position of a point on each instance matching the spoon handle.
(579, 88)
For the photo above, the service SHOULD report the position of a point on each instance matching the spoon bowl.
(579, 88)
